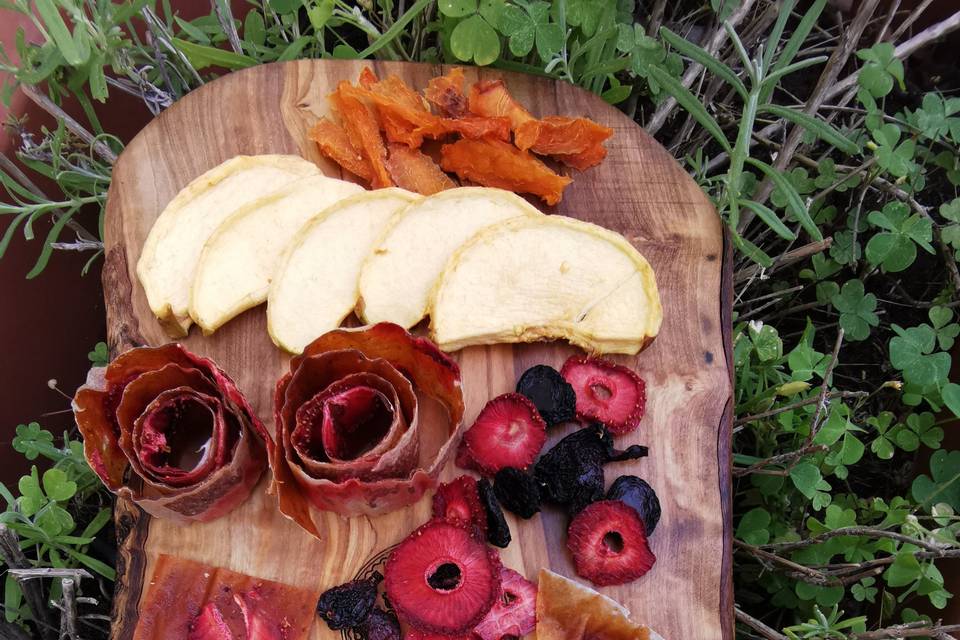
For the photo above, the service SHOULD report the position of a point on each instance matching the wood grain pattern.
(639, 191)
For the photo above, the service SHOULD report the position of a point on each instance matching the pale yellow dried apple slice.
(169, 258)
(543, 278)
(397, 277)
(315, 287)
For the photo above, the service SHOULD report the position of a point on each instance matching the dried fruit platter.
(639, 191)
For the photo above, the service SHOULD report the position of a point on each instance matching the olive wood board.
(639, 191)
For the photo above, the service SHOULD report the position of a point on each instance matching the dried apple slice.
(170, 254)
(239, 259)
(567, 610)
(539, 278)
(315, 286)
(397, 277)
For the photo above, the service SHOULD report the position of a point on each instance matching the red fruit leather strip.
(180, 589)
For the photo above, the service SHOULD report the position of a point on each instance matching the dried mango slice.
(446, 93)
(362, 127)
(490, 98)
(493, 163)
(585, 159)
(560, 135)
(334, 143)
(410, 126)
(416, 171)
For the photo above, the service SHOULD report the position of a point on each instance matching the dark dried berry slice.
(517, 491)
(498, 531)
(381, 625)
(441, 579)
(348, 605)
(458, 503)
(514, 615)
(608, 392)
(509, 432)
(635, 492)
(608, 544)
(552, 395)
(571, 472)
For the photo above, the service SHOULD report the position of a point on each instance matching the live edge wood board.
(639, 191)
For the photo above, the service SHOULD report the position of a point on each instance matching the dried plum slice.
(498, 531)
(517, 491)
(635, 492)
(349, 605)
(553, 396)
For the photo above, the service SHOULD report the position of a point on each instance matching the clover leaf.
(951, 233)
(893, 155)
(844, 249)
(754, 527)
(856, 310)
(882, 68)
(100, 356)
(904, 570)
(895, 249)
(933, 118)
(911, 351)
(947, 331)
(943, 483)
(31, 495)
(32, 440)
(58, 486)
(474, 39)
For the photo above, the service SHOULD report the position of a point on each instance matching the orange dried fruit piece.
(363, 128)
(585, 159)
(335, 144)
(560, 135)
(410, 126)
(415, 171)
(446, 93)
(394, 88)
(493, 163)
(490, 98)
(568, 610)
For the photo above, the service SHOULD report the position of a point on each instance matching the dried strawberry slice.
(414, 634)
(609, 543)
(458, 502)
(509, 432)
(608, 392)
(441, 579)
(515, 612)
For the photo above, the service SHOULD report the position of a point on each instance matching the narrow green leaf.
(390, 34)
(59, 32)
(102, 568)
(794, 43)
(794, 202)
(201, 56)
(752, 251)
(820, 128)
(8, 234)
(47, 250)
(294, 49)
(773, 40)
(700, 55)
(770, 218)
(691, 103)
(770, 81)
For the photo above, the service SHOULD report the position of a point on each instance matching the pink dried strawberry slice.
(608, 392)
(514, 614)
(210, 625)
(509, 432)
(441, 579)
(609, 543)
(458, 502)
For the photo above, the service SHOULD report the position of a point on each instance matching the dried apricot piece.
(494, 163)
(416, 171)
(446, 93)
(477, 127)
(560, 135)
(362, 127)
(585, 159)
(490, 98)
(335, 144)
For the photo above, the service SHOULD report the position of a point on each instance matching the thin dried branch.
(869, 532)
(77, 129)
(800, 403)
(825, 389)
(756, 625)
(788, 258)
(909, 630)
(712, 46)
(225, 18)
(782, 458)
(15, 560)
(68, 610)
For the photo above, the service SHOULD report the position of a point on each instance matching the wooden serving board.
(639, 191)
